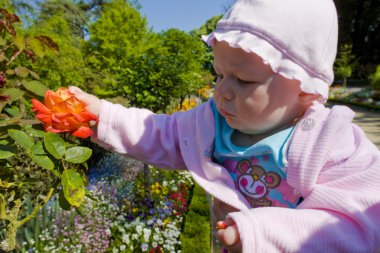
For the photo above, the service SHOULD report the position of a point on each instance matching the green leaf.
(37, 47)
(13, 93)
(35, 133)
(36, 87)
(7, 150)
(21, 138)
(34, 74)
(77, 154)
(73, 187)
(5, 154)
(38, 149)
(80, 210)
(22, 72)
(2, 42)
(2, 56)
(43, 160)
(55, 145)
(63, 203)
(20, 42)
(10, 72)
(15, 112)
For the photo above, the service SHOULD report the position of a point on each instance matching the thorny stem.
(10, 239)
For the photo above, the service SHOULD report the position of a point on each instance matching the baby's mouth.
(225, 114)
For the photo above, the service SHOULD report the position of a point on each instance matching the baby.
(286, 173)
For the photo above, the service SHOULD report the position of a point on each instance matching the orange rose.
(63, 112)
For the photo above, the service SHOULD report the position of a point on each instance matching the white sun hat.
(297, 38)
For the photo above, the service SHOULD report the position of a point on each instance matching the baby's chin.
(262, 130)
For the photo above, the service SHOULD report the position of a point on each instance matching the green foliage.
(29, 156)
(64, 22)
(146, 68)
(344, 63)
(196, 234)
(206, 29)
(375, 79)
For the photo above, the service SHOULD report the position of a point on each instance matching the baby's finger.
(75, 90)
(228, 236)
(79, 94)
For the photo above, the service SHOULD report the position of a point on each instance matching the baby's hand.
(92, 103)
(228, 235)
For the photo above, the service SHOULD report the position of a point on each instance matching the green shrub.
(196, 234)
(375, 79)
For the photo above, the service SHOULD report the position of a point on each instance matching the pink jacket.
(330, 161)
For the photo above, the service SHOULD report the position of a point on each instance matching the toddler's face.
(252, 98)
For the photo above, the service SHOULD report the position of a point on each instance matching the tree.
(116, 38)
(344, 64)
(359, 25)
(64, 22)
(148, 69)
(172, 69)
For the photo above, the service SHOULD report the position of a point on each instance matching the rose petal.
(64, 93)
(85, 117)
(51, 98)
(49, 128)
(39, 107)
(60, 117)
(45, 118)
(82, 132)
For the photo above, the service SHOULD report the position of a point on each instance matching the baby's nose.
(225, 89)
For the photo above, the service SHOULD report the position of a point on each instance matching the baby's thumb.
(93, 103)
(79, 94)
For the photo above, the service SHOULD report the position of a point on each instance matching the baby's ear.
(307, 99)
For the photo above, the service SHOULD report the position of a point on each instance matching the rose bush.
(35, 164)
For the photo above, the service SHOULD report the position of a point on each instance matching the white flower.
(125, 238)
(139, 229)
(4, 245)
(144, 246)
(154, 244)
(108, 232)
(147, 231)
(159, 222)
(115, 250)
(156, 237)
(122, 247)
(165, 183)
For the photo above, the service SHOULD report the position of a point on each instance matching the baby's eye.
(245, 81)
(219, 77)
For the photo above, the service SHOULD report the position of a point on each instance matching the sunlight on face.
(252, 98)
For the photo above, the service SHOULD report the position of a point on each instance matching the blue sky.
(181, 14)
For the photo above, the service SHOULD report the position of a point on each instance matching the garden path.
(369, 121)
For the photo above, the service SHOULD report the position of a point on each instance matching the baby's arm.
(140, 133)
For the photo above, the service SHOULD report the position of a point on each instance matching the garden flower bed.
(125, 215)
(364, 96)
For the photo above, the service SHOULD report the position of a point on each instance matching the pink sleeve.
(341, 210)
(140, 133)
